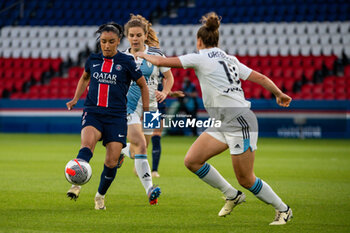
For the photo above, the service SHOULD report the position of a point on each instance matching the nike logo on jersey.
(120, 135)
(94, 65)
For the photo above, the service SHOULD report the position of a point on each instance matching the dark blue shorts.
(162, 108)
(112, 128)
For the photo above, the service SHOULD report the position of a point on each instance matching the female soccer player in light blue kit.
(143, 38)
(219, 75)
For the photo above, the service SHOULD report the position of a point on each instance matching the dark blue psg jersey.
(109, 82)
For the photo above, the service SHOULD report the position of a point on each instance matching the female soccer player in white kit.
(219, 75)
(142, 37)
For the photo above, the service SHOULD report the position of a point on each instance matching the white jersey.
(219, 76)
(151, 74)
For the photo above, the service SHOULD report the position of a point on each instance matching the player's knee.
(189, 163)
(245, 181)
(111, 163)
(140, 147)
(157, 133)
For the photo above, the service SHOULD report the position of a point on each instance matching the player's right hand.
(283, 100)
(71, 104)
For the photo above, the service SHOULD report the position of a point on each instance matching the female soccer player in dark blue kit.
(104, 118)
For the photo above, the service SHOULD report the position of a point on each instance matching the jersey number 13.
(231, 72)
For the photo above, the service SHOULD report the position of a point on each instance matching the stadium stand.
(78, 12)
(239, 11)
(304, 46)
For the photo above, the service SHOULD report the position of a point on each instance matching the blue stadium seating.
(78, 12)
(90, 12)
(265, 11)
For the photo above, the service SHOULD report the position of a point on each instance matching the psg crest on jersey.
(118, 67)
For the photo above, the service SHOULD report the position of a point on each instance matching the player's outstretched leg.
(232, 203)
(107, 177)
(265, 193)
(211, 176)
(120, 160)
(155, 174)
(153, 194)
(204, 148)
(144, 173)
(143, 170)
(99, 202)
(126, 150)
(86, 154)
(156, 152)
(73, 192)
(243, 167)
(282, 217)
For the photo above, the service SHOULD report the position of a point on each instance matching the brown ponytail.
(209, 32)
(140, 21)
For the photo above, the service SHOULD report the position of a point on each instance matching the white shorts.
(241, 135)
(134, 118)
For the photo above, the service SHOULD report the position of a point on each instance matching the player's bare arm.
(281, 98)
(141, 82)
(177, 94)
(168, 82)
(173, 62)
(81, 87)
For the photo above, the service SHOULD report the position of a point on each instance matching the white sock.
(126, 150)
(99, 195)
(143, 171)
(211, 176)
(265, 193)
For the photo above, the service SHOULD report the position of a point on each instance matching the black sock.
(85, 154)
(156, 151)
(107, 177)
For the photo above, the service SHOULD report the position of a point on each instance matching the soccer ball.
(78, 171)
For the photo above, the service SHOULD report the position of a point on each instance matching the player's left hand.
(160, 96)
(283, 100)
(177, 94)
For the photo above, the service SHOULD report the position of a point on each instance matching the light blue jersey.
(152, 74)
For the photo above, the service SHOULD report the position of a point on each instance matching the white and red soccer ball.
(78, 171)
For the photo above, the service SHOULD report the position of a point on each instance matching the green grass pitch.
(312, 176)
